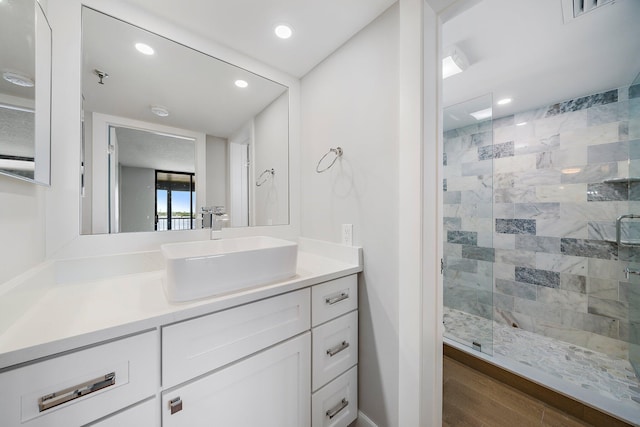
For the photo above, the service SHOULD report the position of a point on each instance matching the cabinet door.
(269, 389)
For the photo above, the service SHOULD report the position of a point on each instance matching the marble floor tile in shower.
(600, 373)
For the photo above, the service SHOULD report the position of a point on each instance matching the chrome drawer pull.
(336, 409)
(338, 298)
(337, 349)
(175, 405)
(59, 397)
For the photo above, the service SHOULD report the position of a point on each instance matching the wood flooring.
(471, 398)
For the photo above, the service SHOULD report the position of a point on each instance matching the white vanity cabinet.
(281, 356)
(335, 352)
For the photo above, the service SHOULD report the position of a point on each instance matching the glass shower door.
(468, 225)
(630, 289)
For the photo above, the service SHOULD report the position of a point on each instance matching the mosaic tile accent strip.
(596, 372)
(582, 103)
(589, 248)
(516, 226)
(550, 279)
(463, 237)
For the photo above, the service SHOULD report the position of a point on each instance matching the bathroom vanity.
(79, 346)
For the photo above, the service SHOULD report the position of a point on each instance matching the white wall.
(22, 226)
(270, 148)
(137, 199)
(217, 174)
(351, 100)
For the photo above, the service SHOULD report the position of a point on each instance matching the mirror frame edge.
(61, 245)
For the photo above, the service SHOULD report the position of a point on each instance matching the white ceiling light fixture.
(283, 31)
(18, 79)
(241, 83)
(454, 62)
(159, 110)
(521, 124)
(482, 114)
(504, 101)
(145, 49)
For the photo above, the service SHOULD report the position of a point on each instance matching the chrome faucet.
(213, 217)
(219, 216)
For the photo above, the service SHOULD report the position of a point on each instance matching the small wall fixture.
(336, 151)
(18, 79)
(101, 75)
(454, 62)
(264, 176)
(159, 110)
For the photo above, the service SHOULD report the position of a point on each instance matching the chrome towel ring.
(337, 151)
(264, 176)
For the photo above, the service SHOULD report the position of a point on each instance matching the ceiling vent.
(572, 9)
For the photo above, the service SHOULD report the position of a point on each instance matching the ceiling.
(525, 51)
(319, 27)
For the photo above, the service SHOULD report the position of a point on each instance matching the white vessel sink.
(213, 267)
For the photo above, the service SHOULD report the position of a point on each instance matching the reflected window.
(175, 201)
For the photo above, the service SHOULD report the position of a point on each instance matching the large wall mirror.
(25, 91)
(169, 131)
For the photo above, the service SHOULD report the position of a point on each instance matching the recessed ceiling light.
(241, 83)
(144, 48)
(482, 114)
(159, 110)
(283, 31)
(521, 124)
(504, 101)
(18, 79)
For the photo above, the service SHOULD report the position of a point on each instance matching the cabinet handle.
(337, 349)
(62, 396)
(336, 409)
(175, 405)
(337, 298)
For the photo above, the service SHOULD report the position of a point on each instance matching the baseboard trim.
(364, 421)
(564, 403)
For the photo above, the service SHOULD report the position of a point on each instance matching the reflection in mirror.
(166, 112)
(25, 91)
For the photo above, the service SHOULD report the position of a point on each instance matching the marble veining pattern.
(516, 226)
(597, 372)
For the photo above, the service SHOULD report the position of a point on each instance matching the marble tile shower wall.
(530, 215)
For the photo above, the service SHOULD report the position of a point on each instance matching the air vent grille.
(583, 6)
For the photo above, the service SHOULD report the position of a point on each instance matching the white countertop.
(71, 315)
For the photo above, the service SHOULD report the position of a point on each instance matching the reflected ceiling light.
(482, 114)
(504, 101)
(144, 48)
(454, 62)
(571, 171)
(159, 110)
(283, 31)
(241, 83)
(521, 124)
(18, 79)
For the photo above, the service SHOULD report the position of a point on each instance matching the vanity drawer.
(334, 348)
(109, 377)
(143, 414)
(336, 404)
(333, 299)
(200, 345)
